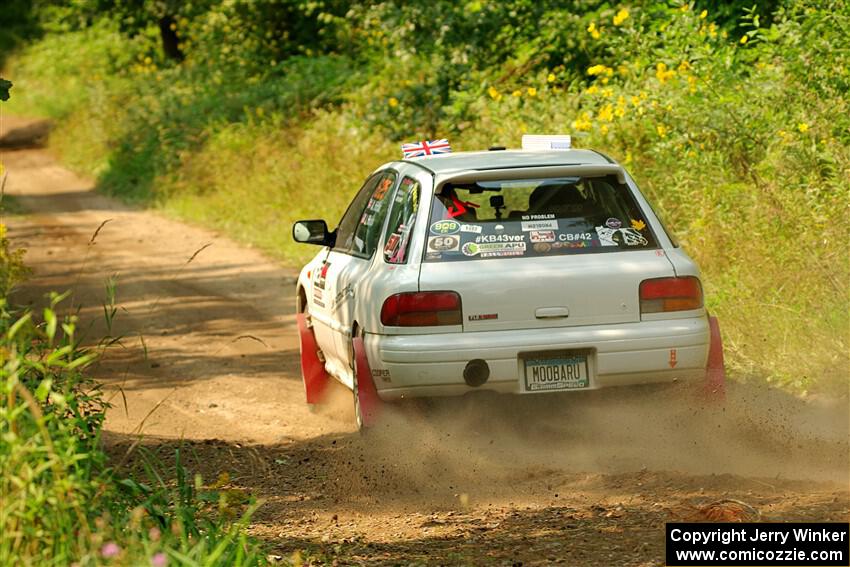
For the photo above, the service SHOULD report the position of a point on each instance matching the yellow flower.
(621, 16)
(684, 8)
(692, 84)
(621, 107)
(532, 91)
(803, 127)
(606, 113)
(597, 70)
(393, 102)
(604, 129)
(712, 30)
(593, 31)
(517, 93)
(635, 101)
(744, 39)
(550, 78)
(592, 89)
(148, 61)
(494, 94)
(684, 66)
(628, 157)
(583, 122)
(607, 92)
(662, 73)
(661, 129)
(703, 14)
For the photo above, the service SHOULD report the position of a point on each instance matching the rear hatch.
(540, 253)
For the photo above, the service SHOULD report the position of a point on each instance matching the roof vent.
(534, 142)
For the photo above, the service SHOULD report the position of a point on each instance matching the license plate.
(556, 372)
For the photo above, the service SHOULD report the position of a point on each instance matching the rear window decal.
(444, 243)
(535, 217)
(445, 227)
(542, 236)
(500, 238)
(633, 237)
(606, 235)
(540, 225)
(494, 249)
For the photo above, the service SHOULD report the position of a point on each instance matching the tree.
(5, 86)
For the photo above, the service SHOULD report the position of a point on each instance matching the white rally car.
(520, 271)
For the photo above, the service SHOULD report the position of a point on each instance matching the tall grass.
(741, 142)
(63, 502)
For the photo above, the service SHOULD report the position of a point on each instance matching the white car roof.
(506, 159)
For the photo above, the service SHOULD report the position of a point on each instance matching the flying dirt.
(207, 359)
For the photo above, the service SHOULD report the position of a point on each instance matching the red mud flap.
(715, 371)
(367, 396)
(312, 369)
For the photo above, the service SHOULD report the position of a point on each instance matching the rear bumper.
(622, 354)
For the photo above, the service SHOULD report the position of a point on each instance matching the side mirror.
(312, 232)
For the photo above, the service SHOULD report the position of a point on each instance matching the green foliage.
(734, 119)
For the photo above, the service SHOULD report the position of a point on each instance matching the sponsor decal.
(499, 227)
(445, 227)
(540, 225)
(392, 244)
(470, 249)
(633, 237)
(538, 217)
(613, 223)
(614, 236)
(606, 235)
(494, 249)
(385, 185)
(542, 247)
(443, 243)
(433, 255)
(638, 224)
(500, 238)
(475, 228)
(542, 236)
(317, 298)
(321, 275)
(483, 317)
(659, 252)
(575, 236)
(341, 297)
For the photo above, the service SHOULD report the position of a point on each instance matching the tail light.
(422, 309)
(670, 294)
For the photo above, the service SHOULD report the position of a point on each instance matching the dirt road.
(208, 355)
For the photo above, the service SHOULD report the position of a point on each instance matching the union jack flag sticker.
(426, 148)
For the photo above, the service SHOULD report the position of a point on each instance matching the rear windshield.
(535, 217)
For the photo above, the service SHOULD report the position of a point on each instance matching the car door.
(324, 278)
(353, 269)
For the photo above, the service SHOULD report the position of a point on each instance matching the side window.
(348, 223)
(400, 226)
(368, 229)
